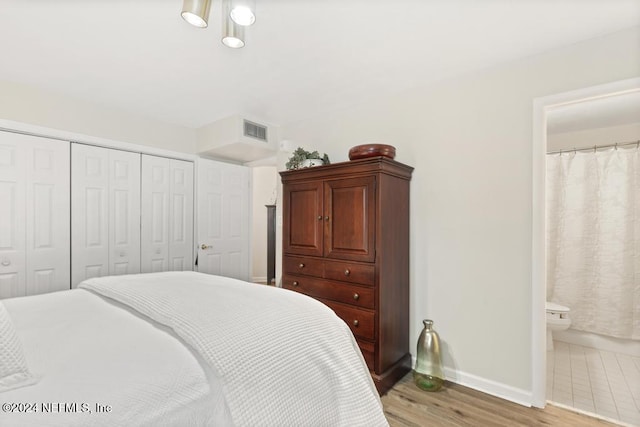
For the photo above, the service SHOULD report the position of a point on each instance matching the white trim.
(538, 264)
(503, 391)
(259, 279)
(13, 126)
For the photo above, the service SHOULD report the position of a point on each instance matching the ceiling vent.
(239, 139)
(254, 130)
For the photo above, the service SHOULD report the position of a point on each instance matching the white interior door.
(89, 212)
(12, 210)
(167, 214)
(124, 212)
(48, 216)
(155, 214)
(34, 215)
(181, 215)
(223, 219)
(105, 205)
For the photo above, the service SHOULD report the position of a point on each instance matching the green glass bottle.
(428, 374)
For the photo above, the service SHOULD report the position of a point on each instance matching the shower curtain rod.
(597, 147)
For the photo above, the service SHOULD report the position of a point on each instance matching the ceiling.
(614, 110)
(302, 58)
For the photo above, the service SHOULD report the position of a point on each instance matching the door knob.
(356, 322)
(356, 296)
(205, 246)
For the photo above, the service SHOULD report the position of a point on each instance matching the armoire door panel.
(303, 214)
(350, 228)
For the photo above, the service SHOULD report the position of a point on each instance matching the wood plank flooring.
(456, 405)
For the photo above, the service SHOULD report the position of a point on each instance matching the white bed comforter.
(283, 359)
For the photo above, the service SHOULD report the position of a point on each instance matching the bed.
(180, 349)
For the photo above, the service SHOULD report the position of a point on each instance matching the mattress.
(186, 349)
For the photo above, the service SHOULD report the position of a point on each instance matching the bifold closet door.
(167, 214)
(105, 206)
(34, 215)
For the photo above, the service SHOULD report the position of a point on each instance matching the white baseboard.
(259, 279)
(503, 391)
(601, 342)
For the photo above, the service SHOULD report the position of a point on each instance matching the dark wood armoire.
(346, 243)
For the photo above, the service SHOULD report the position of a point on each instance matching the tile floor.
(596, 381)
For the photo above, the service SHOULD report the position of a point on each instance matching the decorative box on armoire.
(346, 243)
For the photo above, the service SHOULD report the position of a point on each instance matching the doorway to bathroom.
(587, 245)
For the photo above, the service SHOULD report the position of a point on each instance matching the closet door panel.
(155, 214)
(48, 217)
(124, 212)
(13, 167)
(89, 212)
(181, 219)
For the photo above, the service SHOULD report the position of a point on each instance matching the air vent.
(255, 130)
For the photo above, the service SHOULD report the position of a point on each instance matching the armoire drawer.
(350, 272)
(361, 322)
(303, 265)
(320, 288)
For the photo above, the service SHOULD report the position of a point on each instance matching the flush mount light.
(196, 12)
(232, 33)
(242, 12)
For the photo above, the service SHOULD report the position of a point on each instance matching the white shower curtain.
(593, 239)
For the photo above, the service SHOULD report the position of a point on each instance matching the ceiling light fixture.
(196, 12)
(232, 33)
(243, 12)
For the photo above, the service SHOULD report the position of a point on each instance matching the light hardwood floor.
(455, 405)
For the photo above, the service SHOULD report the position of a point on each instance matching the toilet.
(557, 320)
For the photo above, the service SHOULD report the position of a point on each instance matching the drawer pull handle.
(295, 283)
(356, 297)
(301, 265)
(326, 218)
(347, 272)
(356, 323)
(320, 217)
(6, 262)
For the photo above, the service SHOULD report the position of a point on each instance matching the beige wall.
(265, 179)
(24, 104)
(470, 141)
(590, 137)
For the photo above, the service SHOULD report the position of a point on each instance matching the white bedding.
(241, 354)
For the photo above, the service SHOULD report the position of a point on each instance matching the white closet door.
(167, 214)
(13, 166)
(124, 212)
(48, 217)
(89, 212)
(181, 216)
(34, 215)
(105, 205)
(223, 219)
(155, 214)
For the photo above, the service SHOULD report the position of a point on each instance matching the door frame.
(541, 107)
